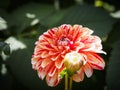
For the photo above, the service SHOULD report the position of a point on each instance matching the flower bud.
(73, 62)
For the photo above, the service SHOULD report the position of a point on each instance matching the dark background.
(21, 23)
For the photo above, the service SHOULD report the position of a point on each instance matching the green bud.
(73, 61)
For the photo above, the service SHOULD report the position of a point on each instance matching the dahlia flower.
(67, 47)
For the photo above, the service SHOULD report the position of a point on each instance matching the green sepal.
(70, 73)
(62, 73)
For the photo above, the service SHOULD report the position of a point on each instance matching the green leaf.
(54, 18)
(6, 49)
(3, 24)
(113, 70)
(29, 15)
(2, 44)
(4, 3)
(114, 35)
(95, 18)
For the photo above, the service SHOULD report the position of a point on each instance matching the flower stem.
(66, 81)
(70, 83)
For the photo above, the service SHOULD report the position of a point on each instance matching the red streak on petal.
(52, 70)
(96, 66)
(45, 62)
(48, 46)
(47, 36)
(53, 80)
(51, 32)
(95, 60)
(59, 63)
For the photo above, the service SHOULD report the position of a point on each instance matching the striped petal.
(46, 62)
(78, 76)
(52, 80)
(88, 70)
(95, 61)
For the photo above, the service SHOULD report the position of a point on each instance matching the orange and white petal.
(93, 44)
(36, 63)
(79, 76)
(95, 61)
(52, 80)
(59, 63)
(88, 70)
(45, 62)
(52, 70)
(42, 73)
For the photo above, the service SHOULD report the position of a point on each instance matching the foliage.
(113, 67)
(21, 25)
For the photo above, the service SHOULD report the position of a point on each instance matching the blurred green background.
(21, 23)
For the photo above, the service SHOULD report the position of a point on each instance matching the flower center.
(63, 41)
